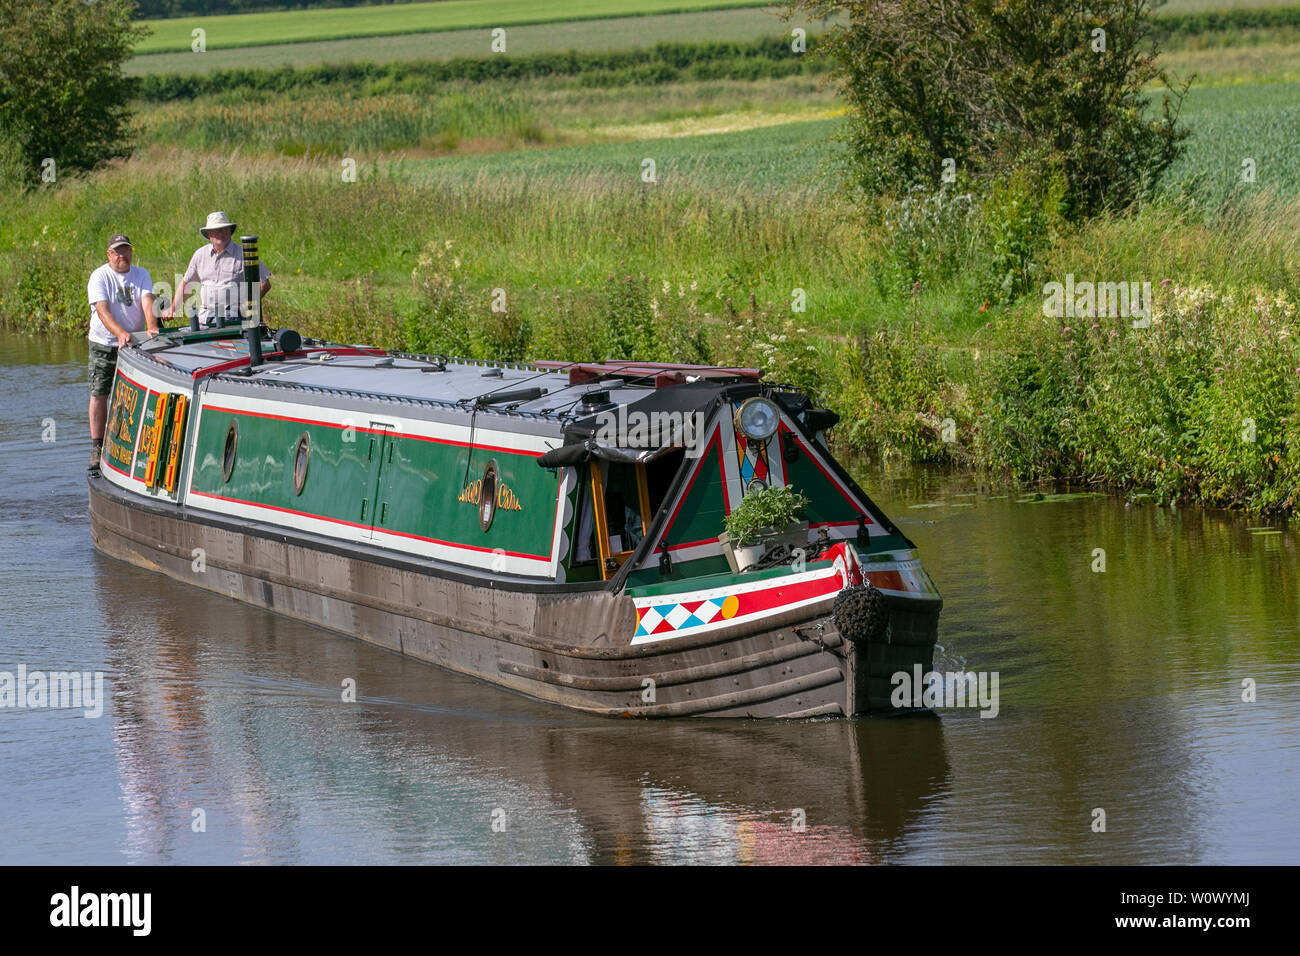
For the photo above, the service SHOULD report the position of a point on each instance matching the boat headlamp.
(757, 419)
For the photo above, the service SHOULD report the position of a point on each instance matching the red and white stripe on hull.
(688, 613)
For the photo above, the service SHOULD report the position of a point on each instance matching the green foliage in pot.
(766, 508)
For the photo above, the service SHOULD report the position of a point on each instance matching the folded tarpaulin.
(568, 455)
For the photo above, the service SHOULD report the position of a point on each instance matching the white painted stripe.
(477, 560)
(686, 597)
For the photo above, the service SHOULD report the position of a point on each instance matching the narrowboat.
(552, 528)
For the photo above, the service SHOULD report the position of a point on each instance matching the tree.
(63, 97)
(985, 87)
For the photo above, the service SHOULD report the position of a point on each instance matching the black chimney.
(252, 318)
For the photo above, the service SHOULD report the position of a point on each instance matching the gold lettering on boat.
(506, 498)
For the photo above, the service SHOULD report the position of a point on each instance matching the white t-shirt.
(123, 292)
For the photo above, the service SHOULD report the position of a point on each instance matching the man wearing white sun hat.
(218, 268)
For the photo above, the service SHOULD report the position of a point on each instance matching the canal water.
(224, 737)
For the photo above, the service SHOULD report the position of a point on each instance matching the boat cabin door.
(377, 452)
(621, 511)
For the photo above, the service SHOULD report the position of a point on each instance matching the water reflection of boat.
(553, 529)
(211, 718)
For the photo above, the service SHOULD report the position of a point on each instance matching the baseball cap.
(119, 240)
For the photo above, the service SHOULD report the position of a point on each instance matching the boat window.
(659, 475)
(300, 458)
(584, 542)
(228, 453)
(487, 501)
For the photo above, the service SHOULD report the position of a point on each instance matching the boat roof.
(565, 391)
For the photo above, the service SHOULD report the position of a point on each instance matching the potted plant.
(765, 518)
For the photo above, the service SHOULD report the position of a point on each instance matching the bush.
(63, 97)
(443, 327)
(1020, 218)
(1200, 406)
(895, 395)
(993, 87)
(778, 344)
(929, 237)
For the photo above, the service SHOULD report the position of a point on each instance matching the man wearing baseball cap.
(218, 268)
(121, 303)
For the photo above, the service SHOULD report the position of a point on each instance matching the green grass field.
(317, 25)
(297, 26)
(1233, 123)
(742, 24)
(788, 158)
(475, 119)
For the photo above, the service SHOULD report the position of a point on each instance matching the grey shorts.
(101, 367)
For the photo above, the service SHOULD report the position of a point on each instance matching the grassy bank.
(1199, 406)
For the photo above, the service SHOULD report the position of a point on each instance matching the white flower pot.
(741, 557)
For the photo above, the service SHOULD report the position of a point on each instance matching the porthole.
(228, 454)
(301, 456)
(487, 501)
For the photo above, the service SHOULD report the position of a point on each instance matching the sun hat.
(216, 220)
(118, 239)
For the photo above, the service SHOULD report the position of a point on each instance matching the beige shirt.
(219, 277)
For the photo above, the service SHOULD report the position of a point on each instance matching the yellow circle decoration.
(730, 606)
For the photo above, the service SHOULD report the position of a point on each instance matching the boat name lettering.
(122, 426)
(506, 499)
